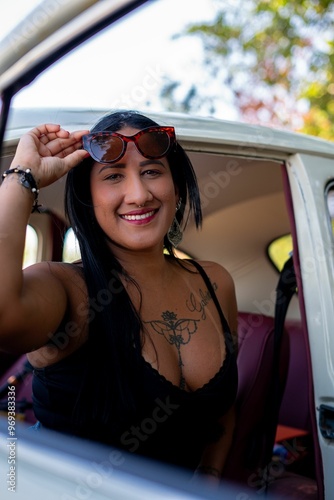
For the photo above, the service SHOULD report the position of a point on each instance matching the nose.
(136, 188)
(137, 192)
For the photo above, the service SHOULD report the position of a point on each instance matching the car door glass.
(127, 65)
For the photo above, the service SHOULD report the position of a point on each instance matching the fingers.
(64, 147)
(74, 158)
(56, 141)
(45, 129)
(72, 151)
(67, 148)
(50, 131)
(50, 152)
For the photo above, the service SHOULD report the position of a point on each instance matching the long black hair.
(114, 324)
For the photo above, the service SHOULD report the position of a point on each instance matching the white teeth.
(138, 217)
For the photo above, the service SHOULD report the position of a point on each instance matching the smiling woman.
(137, 190)
(242, 216)
(134, 306)
(130, 345)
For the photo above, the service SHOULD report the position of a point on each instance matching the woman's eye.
(151, 173)
(113, 177)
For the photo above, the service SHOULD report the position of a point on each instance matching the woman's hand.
(50, 152)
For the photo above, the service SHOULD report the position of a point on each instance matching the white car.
(267, 195)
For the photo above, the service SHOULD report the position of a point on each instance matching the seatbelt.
(286, 288)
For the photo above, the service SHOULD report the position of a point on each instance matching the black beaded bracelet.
(27, 180)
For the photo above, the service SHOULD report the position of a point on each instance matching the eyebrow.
(123, 165)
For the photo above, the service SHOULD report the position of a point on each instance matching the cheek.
(171, 198)
(168, 191)
(168, 197)
(102, 196)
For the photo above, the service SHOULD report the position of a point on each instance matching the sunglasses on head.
(109, 147)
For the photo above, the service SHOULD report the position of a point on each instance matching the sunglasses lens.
(107, 149)
(154, 144)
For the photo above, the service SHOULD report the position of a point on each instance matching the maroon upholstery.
(297, 385)
(246, 463)
(293, 487)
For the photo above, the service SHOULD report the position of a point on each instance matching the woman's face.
(134, 199)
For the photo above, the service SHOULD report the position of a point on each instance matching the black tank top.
(172, 425)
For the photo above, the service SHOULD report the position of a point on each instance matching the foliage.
(273, 58)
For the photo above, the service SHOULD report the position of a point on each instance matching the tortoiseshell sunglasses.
(109, 147)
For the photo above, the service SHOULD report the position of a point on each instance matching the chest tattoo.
(177, 332)
(199, 304)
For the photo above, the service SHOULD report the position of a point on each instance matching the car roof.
(206, 133)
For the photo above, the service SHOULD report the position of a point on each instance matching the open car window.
(123, 66)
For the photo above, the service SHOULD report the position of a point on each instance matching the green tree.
(274, 60)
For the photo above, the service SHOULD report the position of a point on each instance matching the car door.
(311, 183)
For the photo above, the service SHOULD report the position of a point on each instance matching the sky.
(125, 66)
(12, 12)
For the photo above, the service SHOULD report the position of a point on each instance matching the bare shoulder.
(54, 267)
(51, 293)
(66, 274)
(63, 279)
(218, 274)
(66, 329)
(221, 281)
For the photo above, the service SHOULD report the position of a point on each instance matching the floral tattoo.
(177, 332)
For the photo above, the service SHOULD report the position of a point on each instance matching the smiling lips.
(139, 217)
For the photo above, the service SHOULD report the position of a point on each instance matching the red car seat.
(248, 463)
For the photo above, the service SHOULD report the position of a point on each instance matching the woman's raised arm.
(33, 302)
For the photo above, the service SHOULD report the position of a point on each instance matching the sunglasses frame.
(88, 138)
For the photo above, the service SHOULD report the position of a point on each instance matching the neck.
(145, 267)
